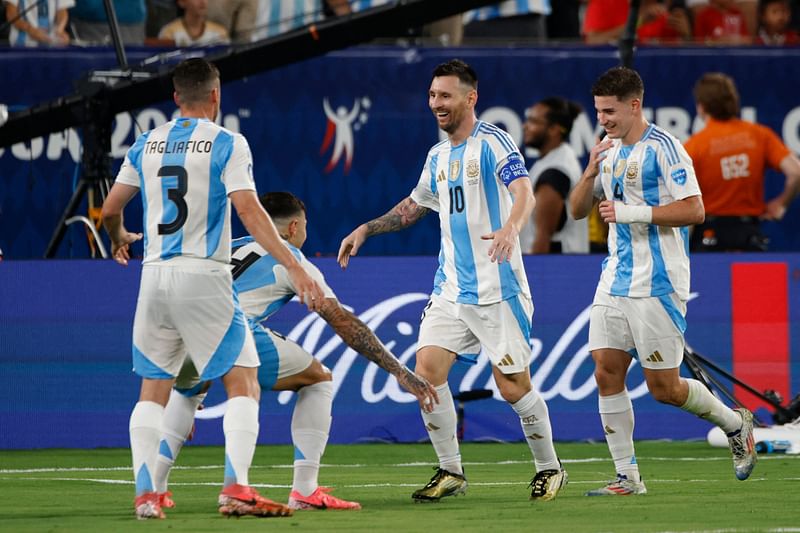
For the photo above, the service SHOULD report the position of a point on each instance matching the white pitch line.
(375, 485)
(384, 465)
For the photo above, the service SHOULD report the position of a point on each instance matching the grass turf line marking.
(382, 465)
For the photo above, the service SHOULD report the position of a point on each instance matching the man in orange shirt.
(730, 156)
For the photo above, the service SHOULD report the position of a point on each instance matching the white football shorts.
(650, 329)
(503, 328)
(189, 307)
(280, 358)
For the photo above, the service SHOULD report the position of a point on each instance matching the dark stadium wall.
(377, 121)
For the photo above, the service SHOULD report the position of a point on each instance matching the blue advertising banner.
(349, 132)
(65, 352)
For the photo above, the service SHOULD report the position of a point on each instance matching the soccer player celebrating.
(480, 294)
(189, 171)
(263, 287)
(650, 195)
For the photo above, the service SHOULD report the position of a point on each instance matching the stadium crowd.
(202, 22)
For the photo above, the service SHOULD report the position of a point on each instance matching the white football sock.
(145, 429)
(175, 428)
(535, 421)
(616, 414)
(240, 425)
(311, 424)
(702, 403)
(441, 427)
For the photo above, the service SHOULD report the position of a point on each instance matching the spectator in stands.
(730, 156)
(749, 9)
(280, 16)
(90, 23)
(774, 18)
(159, 13)
(238, 17)
(193, 28)
(551, 229)
(663, 22)
(604, 21)
(721, 22)
(511, 19)
(41, 23)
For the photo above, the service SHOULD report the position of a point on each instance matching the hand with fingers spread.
(503, 242)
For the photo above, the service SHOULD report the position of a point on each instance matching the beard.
(536, 142)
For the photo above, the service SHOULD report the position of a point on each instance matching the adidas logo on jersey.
(655, 357)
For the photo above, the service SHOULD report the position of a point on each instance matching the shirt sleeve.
(130, 171)
(677, 170)
(774, 148)
(426, 193)
(512, 167)
(311, 270)
(238, 173)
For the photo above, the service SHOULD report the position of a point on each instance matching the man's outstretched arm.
(360, 338)
(401, 216)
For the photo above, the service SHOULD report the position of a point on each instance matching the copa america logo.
(339, 131)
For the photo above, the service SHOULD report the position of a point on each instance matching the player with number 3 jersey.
(188, 172)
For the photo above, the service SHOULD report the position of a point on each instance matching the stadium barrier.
(65, 349)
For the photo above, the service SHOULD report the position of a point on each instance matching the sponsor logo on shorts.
(506, 361)
(655, 357)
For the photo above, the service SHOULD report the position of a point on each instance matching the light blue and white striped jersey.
(38, 13)
(509, 8)
(646, 259)
(279, 16)
(263, 284)
(185, 171)
(468, 185)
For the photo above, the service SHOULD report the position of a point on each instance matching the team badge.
(455, 168)
(632, 171)
(619, 168)
(472, 168)
(679, 176)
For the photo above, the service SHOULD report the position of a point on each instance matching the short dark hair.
(458, 68)
(194, 79)
(763, 4)
(717, 93)
(282, 204)
(562, 112)
(622, 82)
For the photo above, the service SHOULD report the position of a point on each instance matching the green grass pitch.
(691, 487)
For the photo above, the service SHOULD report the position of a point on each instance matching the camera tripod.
(700, 367)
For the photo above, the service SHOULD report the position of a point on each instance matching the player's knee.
(665, 393)
(607, 379)
(319, 373)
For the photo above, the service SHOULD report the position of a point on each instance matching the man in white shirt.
(552, 229)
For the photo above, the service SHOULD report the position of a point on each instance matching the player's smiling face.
(614, 115)
(451, 101)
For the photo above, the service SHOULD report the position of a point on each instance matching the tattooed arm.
(401, 216)
(360, 338)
